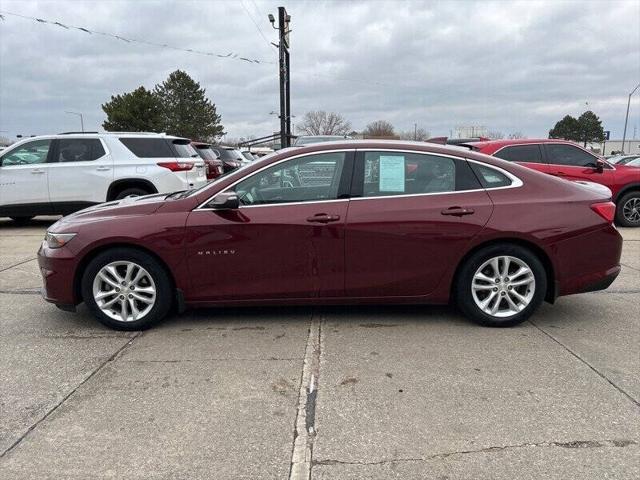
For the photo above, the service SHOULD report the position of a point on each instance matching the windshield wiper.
(172, 194)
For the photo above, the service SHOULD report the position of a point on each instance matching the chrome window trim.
(345, 150)
(516, 182)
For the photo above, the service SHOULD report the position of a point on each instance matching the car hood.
(143, 205)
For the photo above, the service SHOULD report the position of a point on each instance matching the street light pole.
(626, 118)
(81, 119)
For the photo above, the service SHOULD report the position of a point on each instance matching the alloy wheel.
(631, 210)
(503, 286)
(124, 291)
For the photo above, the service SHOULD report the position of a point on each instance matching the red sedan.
(570, 161)
(335, 223)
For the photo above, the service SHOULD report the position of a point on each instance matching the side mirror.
(225, 201)
(599, 166)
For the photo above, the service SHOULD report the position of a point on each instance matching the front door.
(573, 163)
(414, 215)
(23, 179)
(286, 241)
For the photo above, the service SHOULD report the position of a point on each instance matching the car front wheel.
(501, 285)
(628, 210)
(127, 289)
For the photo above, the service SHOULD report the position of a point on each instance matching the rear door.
(80, 173)
(573, 163)
(286, 241)
(411, 217)
(24, 179)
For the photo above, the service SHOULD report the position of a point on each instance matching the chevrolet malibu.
(349, 222)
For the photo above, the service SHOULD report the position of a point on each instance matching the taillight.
(606, 210)
(176, 166)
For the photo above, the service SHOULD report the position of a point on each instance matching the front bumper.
(57, 267)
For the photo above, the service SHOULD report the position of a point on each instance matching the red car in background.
(567, 160)
(336, 223)
(214, 165)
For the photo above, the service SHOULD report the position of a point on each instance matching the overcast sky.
(512, 66)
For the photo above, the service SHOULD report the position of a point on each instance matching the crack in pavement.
(578, 444)
(19, 263)
(594, 369)
(68, 395)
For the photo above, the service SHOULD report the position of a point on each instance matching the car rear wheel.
(501, 285)
(131, 192)
(127, 289)
(628, 210)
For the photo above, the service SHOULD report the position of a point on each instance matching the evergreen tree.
(137, 111)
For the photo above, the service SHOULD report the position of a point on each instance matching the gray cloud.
(513, 66)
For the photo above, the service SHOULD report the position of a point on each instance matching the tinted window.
(569, 155)
(184, 149)
(148, 147)
(521, 153)
(79, 150)
(396, 173)
(229, 154)
(305, 179)
(206, 153)
(27, 154)
(490, 177)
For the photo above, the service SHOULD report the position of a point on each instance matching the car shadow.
(41, 222)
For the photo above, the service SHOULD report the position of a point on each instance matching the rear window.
(229, 154)
(184, 149)
(521, 153)
(206, 152)
(490, 177)
(148, 147)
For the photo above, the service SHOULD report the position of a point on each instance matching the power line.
(256, 24)
(230, 55)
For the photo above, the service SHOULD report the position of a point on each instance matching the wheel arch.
(626, 189)
(84, 262)
(550, 294)
(123, 183)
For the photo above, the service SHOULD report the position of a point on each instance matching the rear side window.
(148, 147)
(560, 154)
(399, 173)
(490, 177)
(79, 150)
(521, 153)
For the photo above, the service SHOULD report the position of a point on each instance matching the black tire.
(464, 279)
(621, 219)
(131, 192)
(162, 280)
(22, 220)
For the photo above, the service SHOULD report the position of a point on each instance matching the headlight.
(57, 240)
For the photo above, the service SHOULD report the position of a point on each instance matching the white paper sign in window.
(391, 173)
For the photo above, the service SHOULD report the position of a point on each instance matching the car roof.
(517, 141)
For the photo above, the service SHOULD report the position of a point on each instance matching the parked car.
(633, 163)
(248, 155)
(491, 236)
(622, 159)
(570, 161)
(309, 139)
(230, 156)
(60, 174)
(214, 165)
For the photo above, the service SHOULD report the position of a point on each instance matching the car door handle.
(37, 171)
(561, 174)
(323, 218)
(458, 211)
(103, 169)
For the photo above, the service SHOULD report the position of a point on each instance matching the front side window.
(560, 154)
(521, 153)
(28, 154)
(305, 179)
(398, 173)
(79, 149)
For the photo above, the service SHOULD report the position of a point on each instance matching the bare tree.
(320, 122)
(419, 134)
(495, 135)
(379, 129)
(516, 135)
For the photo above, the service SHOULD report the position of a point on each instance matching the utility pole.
(626, 118)
(284, 19)
(415, 131)
(81, 119)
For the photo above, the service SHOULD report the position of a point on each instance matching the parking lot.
(343, 392)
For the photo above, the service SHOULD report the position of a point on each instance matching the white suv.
(59, 174)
